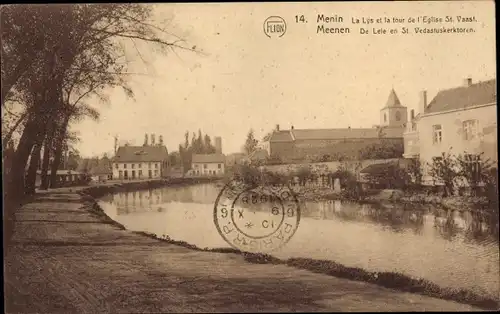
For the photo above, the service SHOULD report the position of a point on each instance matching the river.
(450, 248)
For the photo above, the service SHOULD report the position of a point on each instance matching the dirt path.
(66, 260)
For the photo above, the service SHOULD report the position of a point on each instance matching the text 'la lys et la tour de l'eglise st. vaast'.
(323, 21)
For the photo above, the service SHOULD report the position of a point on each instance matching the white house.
(208, 164)
(140, 162)
(458, 120)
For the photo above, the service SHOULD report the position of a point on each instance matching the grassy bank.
(392, 280)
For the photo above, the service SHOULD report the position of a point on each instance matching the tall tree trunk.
(18, 171)
(59, 141)
(8, 137)
(33, 167)
(45, 162)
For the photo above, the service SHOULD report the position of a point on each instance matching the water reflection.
(451, 248)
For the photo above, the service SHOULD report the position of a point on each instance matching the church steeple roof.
(393, 100)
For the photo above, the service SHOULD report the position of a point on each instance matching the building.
(63, 178)
(102, 171)
(458, 120)
(209, 164)
(149, 161)
(297, 145)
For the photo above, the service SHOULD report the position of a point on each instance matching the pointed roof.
(393, 100)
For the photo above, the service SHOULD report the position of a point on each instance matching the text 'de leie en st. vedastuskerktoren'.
(335, 24)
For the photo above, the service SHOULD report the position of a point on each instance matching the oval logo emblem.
(274, 27)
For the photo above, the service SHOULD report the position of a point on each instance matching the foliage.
(415, 171)
(445, 169)
(391, 175)
(248, 174)
(250, 143)
(383, 150)
(199, 145)
(474, 169)
(303, 173)
(55, 57)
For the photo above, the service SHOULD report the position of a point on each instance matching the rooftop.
(480, 93)
(393, 100)
(333, 134)
(141, 154)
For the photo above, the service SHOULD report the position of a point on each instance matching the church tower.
(393, 114)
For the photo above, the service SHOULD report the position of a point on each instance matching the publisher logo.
(274, 27)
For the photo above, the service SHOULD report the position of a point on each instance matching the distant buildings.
(209, 164)
(314, 144)
(100, 169)
(141, 162)
(458, 120)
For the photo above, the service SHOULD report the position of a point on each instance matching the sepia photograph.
(334, 156)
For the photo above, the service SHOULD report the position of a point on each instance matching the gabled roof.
(141, 154)
(393, 100)
(281, 136)
(208, 158)
(481, 93)
(347, 133)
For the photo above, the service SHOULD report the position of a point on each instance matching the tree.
(48, 50)
(415, 170)
(445, 169)
(208, 148)
(474, 169)
(250, 143)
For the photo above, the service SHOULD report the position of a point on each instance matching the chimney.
(218, 145)
(277, 127)
(423, 101)
(146, 139)
(152, 139)
(160, 140)
(412, 114)
(467, 82)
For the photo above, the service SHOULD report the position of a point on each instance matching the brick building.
(297, 145)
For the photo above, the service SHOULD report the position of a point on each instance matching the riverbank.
(460, 203)
(67, 258)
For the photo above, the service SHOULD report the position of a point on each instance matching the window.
(220, 166)
(149, 165)
(469, 128)
(437, 134)
(140, 173)
(156, 173)
(205, 166)
(398, 115)
(124, 166)
(156, 166)
(116, 166)
(196, 166)
(473, 165)
(133, 166)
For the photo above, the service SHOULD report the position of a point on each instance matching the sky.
(246, 80)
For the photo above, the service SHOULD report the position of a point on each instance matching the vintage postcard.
(250, 157)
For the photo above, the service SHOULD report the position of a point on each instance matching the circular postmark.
(274, 27)
(254, 218)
